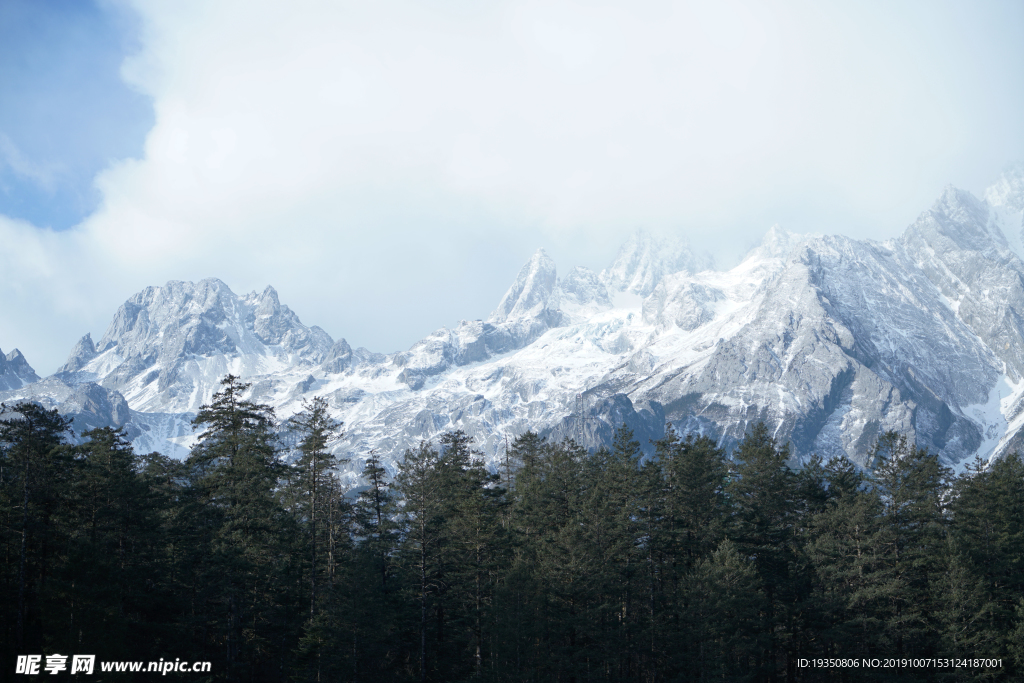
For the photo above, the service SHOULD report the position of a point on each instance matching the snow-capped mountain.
(166, 343)
(827, 339)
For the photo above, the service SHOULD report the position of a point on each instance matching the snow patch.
(627, 301)
(991, 418)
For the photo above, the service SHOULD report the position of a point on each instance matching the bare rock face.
(92, 406)
(338, 358)
(83, 352)
(89, 405)
(276, 325)
(957, 247)
(828, 340)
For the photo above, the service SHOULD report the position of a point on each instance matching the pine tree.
(961, 610)
(319, 507)
(912, 486)
(248, 577)
(695, 474)
(987, 529)
(690, 513)
(842, 540)
(476, 536)
(374, 512)
(553, 586)
(312, 483)
(422, 517)
(617, 520)
(763, 494)
(518, 595)
(376, 641)
(726, 618)
(1015, 645)
(113, 554)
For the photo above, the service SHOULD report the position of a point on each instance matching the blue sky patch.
(65, 113)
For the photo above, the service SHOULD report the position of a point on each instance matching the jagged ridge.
(827, 339)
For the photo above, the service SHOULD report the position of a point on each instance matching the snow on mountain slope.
(827, 339)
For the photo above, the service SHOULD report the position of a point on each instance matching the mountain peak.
(271, 321)
(828, 340)
(84, 351)
(778, 240)
(645, 259)
(270, 295)
(953, 199)
(777, 243)
(15, 372)
(529, 294)
(956, 220)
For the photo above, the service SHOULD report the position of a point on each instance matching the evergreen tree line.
(561, 566)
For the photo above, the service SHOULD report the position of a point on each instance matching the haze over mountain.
(827, 339)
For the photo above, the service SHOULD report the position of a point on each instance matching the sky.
(388, 167)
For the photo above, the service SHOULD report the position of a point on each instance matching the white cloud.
(401, 159)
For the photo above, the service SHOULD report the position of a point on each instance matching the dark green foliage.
(910, 542)
(114, 549)
(374, 587)
(842, 539)
(563, 566)
(763, 495)
(987, 544)
(35, 482)
(82, 550)
(727, 613)
(244, 582)
(450, 555)
(317, 504)
(689, 515)
(693, 477)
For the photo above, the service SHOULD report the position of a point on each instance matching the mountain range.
(829, 340)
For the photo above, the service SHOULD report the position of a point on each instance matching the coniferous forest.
(562, 565)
